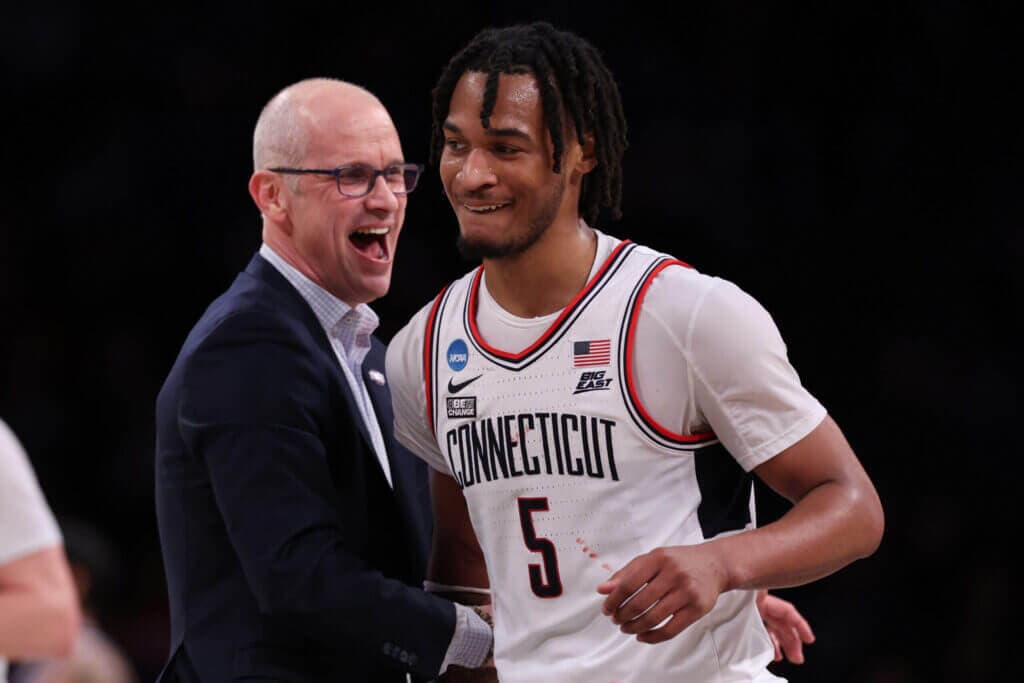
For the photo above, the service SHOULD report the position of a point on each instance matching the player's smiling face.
(499, 179)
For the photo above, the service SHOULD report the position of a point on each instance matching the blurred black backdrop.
(853, 166)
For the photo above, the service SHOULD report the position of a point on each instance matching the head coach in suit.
(294, 529)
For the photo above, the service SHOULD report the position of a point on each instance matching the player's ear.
(587, 159)
(271, 197)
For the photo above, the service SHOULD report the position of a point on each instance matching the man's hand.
(679, 583)
(486, 673)
(786, 626)
(483, 610)
(459, 674)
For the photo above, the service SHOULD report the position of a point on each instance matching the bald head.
(289, 120)
(343, 243)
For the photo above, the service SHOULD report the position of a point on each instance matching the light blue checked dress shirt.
(348, 330)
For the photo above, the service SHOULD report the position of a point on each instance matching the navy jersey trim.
(430, 355)
(725, 490)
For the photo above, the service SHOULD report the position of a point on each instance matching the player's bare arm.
(836, 518)
(455, 557)
(456, 569)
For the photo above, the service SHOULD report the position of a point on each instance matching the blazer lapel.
(380, 397)
(409, 474)
(262, 269)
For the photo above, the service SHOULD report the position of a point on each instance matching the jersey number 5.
(551, 588)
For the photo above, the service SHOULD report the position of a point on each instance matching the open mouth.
(371, 242)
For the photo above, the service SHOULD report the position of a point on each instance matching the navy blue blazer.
(287, 555)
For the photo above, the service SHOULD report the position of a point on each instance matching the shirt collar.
(329, 309)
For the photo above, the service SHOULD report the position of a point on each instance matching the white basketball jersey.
(567, 479)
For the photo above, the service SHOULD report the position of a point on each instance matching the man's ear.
(587, 161)
(271, 199)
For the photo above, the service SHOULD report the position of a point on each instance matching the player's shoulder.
(408, 340)
(678, 290)
(407, 343)
(670, 266)
(678, 275)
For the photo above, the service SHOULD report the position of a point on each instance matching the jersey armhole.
(429, 340)
(648, 425)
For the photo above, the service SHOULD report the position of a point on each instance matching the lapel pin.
(377, 377)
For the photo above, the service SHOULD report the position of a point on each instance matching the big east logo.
(593, 381)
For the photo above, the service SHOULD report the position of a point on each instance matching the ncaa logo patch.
(458, 355)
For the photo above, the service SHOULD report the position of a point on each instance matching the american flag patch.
(587, 354)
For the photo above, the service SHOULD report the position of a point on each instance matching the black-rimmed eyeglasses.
(358, 180)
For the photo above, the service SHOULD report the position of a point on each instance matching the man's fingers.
(803, 629)
(673, 627)
(458, 674)
(791, 616)
(636, 605)
(621, 586)
(775, 644)
(787, 627)
(783, 614)
(623, 592)
(791, 644)
(669, 604)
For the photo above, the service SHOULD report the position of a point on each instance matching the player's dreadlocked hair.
(573, 80)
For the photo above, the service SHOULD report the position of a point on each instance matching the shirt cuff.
(471, 641)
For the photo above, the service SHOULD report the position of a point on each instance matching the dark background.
(855, 168)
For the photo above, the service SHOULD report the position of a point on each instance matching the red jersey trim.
(553, 328)
(428, 344)
(628, 379)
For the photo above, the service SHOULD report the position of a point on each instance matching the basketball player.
(594, 410)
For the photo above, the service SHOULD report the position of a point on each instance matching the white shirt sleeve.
(26, 522)
(728, 364)
(471, 641)
(404, 368)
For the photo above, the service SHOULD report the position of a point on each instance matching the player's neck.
(544, 278)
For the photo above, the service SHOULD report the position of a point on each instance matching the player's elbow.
(877, 527)
(871, 521)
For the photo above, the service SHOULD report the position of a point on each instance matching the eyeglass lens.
(358, 180)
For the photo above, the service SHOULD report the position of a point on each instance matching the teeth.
(484, 209)
(373, 231)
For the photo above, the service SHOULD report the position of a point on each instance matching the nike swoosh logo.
(456, 388)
